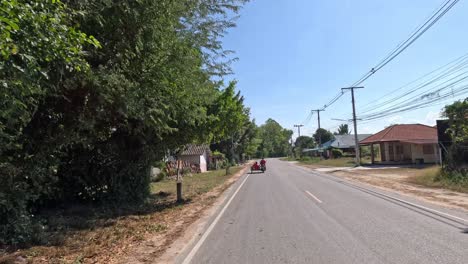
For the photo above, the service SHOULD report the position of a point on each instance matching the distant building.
(343, 142)
(197, 155)
(407, 143)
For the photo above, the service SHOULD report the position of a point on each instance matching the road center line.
(194, 250)
(313, 196)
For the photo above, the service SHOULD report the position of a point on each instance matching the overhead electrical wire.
(308, 118)
(450, 76)
(437, 79)
(424, 100)
(448, 84)
(460, 61)
(402, 46)
(436, 16)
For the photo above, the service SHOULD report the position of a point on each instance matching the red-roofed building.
(408, 143)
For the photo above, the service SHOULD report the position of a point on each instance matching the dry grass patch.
(433, 177)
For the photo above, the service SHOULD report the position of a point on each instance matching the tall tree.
(231, 129)
(82, 120)
(303, 142)
(275, 139)
(343, 129)
(457, 115)
(322, 135)
(40, 47)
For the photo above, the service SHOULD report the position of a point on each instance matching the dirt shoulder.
(399, 180)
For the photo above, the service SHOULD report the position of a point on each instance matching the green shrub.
(161, 176)
(305, 158)
(337, 153)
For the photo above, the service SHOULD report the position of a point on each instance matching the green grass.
(340, 162)
(433, 177)
(288, 159)
(195, 184)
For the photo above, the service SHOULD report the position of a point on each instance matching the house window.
(428, 149)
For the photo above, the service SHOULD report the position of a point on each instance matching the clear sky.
(295, 55)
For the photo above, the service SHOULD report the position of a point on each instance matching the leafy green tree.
(275, 139)
(303, 142)
(82, 120)
(231, 128)
(343, 129)
(323, 135)
(40, 47)
(457, 114)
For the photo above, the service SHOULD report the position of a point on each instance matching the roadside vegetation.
(435, 177)
(453, 174)
(79, 234)
(338, 162)
(95, 92)
(194, 184)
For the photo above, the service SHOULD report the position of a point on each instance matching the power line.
(460, 61)
(400, 100)
(436, 16)
(437, 89)
(431, 99)
(332, 101)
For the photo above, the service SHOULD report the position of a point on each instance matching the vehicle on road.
(258, 167)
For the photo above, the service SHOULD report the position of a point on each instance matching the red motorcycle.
(258, 168)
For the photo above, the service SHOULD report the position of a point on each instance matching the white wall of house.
(411, 152)
(204, 162)
(418, 153)
(201, 160)
(195, 159)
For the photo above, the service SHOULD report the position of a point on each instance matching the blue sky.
(295, 55)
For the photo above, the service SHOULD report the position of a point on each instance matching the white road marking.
(313, 196)
(342, 181)
(194, 250)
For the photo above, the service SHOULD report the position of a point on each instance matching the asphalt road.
(293, 215)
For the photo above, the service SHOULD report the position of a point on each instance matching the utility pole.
(298, 129)
(318, 119)
(356, 141)
(318, 116)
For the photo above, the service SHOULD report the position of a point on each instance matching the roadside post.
(179, 182)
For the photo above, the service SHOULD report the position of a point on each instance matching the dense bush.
(83, 118)
(305, 158)
(337, 153)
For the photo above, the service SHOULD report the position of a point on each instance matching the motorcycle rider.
(263, 163)
(255, 166)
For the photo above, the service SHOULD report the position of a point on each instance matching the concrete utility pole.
(356, 141)
(318, 116)
(298, 129)
(318, 119)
